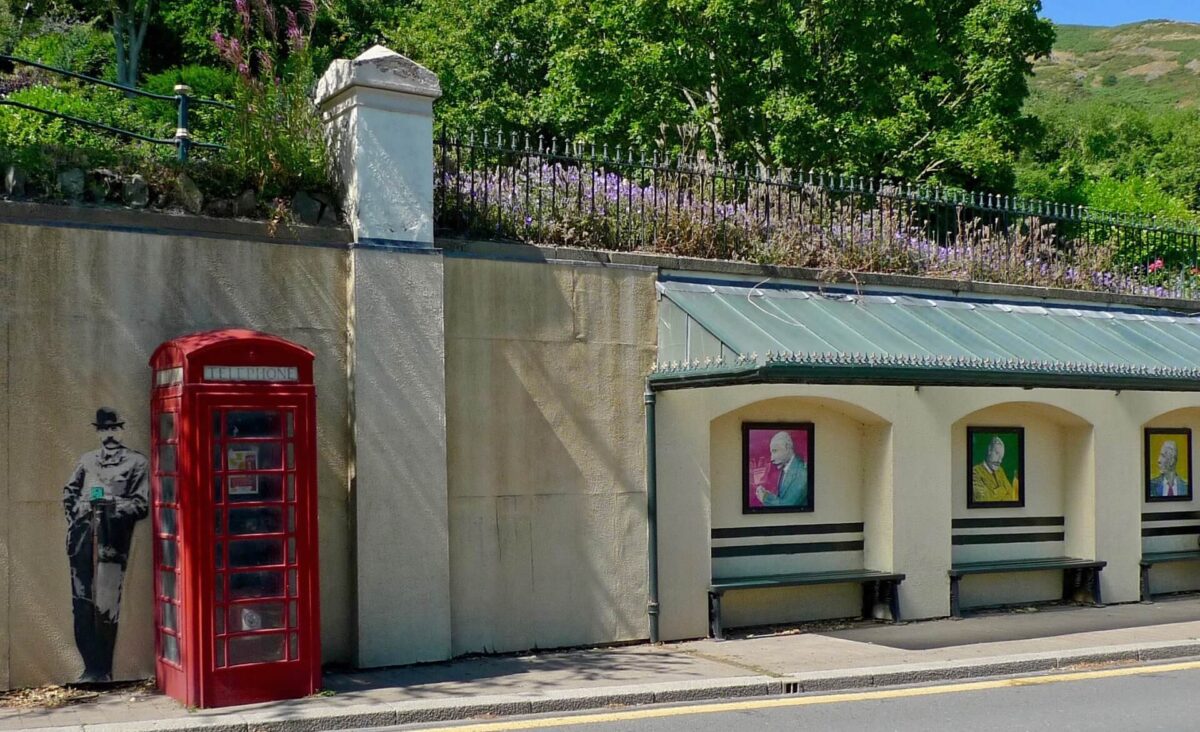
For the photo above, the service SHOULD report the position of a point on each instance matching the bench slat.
(804, 578)
(1024, 565)
(1160, 557)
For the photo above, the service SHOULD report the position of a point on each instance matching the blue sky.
(1117, 12)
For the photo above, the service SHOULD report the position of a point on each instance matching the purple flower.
(243, 11)
(294, 35)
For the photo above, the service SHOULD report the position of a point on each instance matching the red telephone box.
(235, 519)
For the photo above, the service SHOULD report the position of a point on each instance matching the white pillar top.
(377, 68)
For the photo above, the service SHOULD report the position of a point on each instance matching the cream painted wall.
(1057, 466)
(545, 367)
(1084, 462)
(1181, 576)
(845, 480)
(81, 311)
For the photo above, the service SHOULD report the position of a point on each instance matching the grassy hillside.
(1154, 63)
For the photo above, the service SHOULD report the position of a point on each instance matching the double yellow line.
(804, 701)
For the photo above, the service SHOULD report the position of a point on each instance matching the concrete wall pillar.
(378, 115)
(377, 111)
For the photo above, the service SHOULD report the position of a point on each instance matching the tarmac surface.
(817, 657)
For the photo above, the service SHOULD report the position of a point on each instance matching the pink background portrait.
(761, 470)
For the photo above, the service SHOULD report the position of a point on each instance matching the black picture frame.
(1152, 490)
(757, 438)
(979, 439)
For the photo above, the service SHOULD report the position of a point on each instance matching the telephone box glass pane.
(166, 425)
(264, 616)
(260, 520)
(166, 458)
(255, 649)
(166, 548)
(219, 620)
(218, 556)
(291, 425)
(252, 424)
(266, 487)
(166, 485)
(291, 518)
(291, 456)
(253, 456)
(258, 553)
(293, 646)
(293, 584)
(220, 653)
(166, 581)
(170, 648)
(292, 616)
(166, 521)
(168, 616)
(291, 484)
(248, 585)
(291, 545)
(217, 521)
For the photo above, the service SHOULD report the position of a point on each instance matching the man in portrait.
(108, 493)
(1168, 482)
(989, 483)
(792, 487)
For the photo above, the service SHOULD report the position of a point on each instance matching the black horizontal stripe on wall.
(742, 532)
(1171, 516)
(762, 550)
(1013, 521)
(1171, 530)
(1006, 538)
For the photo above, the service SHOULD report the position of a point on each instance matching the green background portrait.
(1012, 454)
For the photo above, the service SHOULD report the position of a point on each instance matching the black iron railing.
(504, 185)
(182, 140)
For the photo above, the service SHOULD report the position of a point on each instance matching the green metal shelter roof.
(713, 332)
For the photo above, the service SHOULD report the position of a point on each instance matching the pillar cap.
(377, 68)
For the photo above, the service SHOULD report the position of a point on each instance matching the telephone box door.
(262, 636)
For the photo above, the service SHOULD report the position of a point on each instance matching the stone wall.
(83, 304)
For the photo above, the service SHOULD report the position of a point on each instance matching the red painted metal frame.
(196, 680)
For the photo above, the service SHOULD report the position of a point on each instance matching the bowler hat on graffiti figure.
(107, 417)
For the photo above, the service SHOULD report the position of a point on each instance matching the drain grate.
(791, 687)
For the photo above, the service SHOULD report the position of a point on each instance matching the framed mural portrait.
(995, 467)
(1168, 464)
(777, 467)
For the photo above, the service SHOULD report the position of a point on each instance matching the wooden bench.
(1076, 573)
(1151, 558)
(876, 586)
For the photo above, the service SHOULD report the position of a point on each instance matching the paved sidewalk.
(856, 655)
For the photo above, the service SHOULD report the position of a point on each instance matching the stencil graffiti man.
(107, 495)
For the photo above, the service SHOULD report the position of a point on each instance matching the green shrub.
(39, 142)
(275, 138)
(207, 123)
(79, 47)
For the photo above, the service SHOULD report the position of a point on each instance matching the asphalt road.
(1163, 697)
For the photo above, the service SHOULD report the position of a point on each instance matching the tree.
(130, 19)
(925, 88)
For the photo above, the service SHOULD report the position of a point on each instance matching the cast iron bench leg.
(1146, 583)
(955, 610)
(714, 614)
(1096, 599)
(870, 595)
(893, 593)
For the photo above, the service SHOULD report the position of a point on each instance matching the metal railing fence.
(529, 189)
(182, 98)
